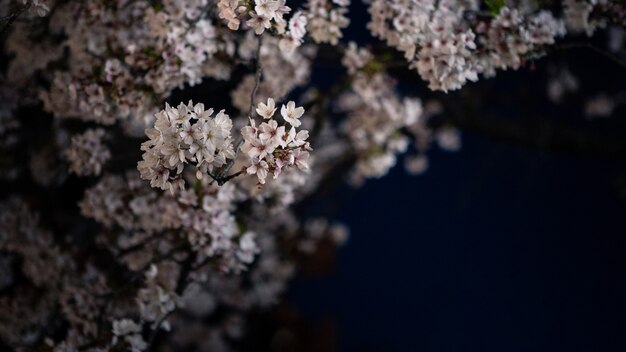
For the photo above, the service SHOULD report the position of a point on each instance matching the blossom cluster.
(266, 15)
(208, 217)
(185, 134)
(449, 48)
(188, 134)
(272, 147)
(327, 19)
(323, 19)
(87, 154)
(169, 46)
(381, 124)
(587, 16)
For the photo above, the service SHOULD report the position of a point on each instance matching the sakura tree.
(139, 219)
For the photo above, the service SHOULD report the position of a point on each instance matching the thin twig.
(12, 17)
(156, 330)
(259, 73)
(223, 180)
(186, 269)
(592, 47)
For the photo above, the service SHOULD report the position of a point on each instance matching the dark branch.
(12, 17)
(259, 73)
(589, 46)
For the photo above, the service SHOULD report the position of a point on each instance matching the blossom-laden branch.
(188, 134)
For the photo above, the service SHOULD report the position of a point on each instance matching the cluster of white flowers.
(207, 216)
(230, 11)
(105, 203)
(376, 116)
(381, 124)
(511, 37)
(432, 36)
(188, 134)
(579, 14)
(190, 38)
(185, 134)
(294, 36)
(266, 15)
(213, 228)
(326, 20)
(448, 47)
(272, 147)
(158, 297)
(444, 59)
(87, 153)
(172, 44)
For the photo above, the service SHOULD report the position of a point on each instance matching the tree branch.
(583, 45)
(12, 17)
(535, 130)
(221, 177)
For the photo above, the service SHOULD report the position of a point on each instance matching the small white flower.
(301, 159)
(266, 8)
(288, 137)
(260, 168)
(200, 113)
(292, 114)
(258, 148)
(125, 327)
(267, 111)
(297, 25)
(259, 22)
(187, 132)
(300, 139)
(288, 44)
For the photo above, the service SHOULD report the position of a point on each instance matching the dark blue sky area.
(495, 248)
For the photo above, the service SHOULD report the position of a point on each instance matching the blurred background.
(495, 248)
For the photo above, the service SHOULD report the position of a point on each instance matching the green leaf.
(495, 6)
(150, 52)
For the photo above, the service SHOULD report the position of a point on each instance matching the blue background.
(494, 248)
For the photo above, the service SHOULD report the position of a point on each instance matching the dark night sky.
(495, 248)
